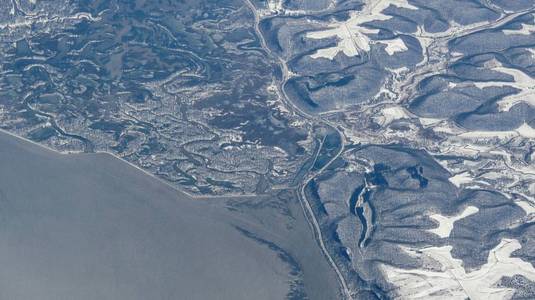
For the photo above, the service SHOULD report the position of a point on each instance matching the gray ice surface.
(89, 226)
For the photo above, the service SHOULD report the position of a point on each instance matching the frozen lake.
(89, 226)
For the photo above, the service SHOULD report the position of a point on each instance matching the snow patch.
(353, 37)
(445, 223)
(460, 179)
(528, 207)
(526, 29)
(394, 46)
(390, 114)
(522, 81)
(453, 282)
(524, 130)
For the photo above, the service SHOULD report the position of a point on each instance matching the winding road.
(305, 204)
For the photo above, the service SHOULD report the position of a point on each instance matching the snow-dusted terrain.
(403, 129)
